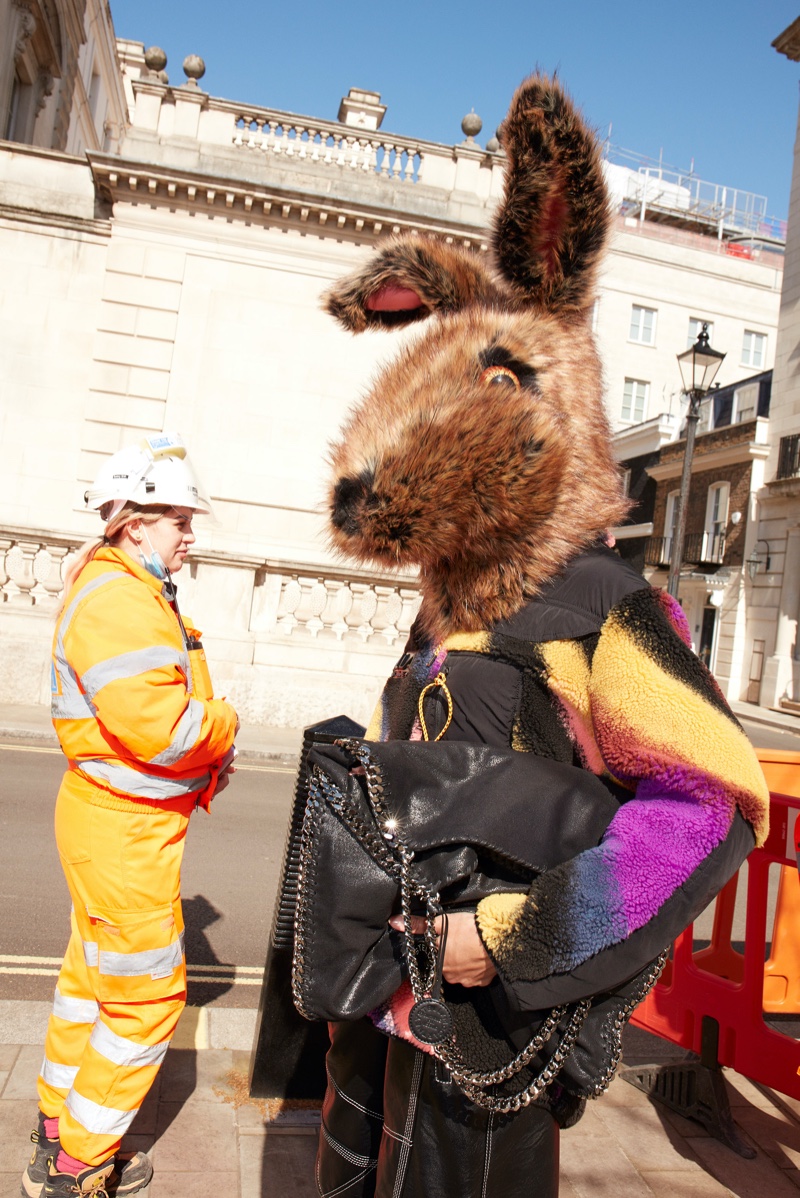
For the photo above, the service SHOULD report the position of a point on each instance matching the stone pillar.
(781, 670)
(149, 96)
(188, 104)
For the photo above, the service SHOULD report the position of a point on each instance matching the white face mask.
(154, 564)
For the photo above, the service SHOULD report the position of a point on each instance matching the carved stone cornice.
(788, 42)
(127, 181)
(35, 35)
(26, 27)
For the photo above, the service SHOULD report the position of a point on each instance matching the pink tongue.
(393, 299)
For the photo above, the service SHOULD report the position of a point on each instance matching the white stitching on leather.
(352, 1102)
(346, 1185)
(484, 1190)
(352, 1158)
(405, 1151)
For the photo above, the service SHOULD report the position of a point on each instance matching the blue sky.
(696, 81)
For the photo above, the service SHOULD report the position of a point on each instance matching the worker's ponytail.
(86, 551)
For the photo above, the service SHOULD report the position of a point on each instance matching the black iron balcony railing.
(789, 456)
(699, 548)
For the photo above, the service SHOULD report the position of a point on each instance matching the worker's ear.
(134, 530)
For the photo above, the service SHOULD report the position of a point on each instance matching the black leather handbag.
(429, 828)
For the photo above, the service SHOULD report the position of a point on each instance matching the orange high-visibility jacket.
(125, 706)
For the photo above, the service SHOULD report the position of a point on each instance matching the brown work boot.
(132, 1172)
(93, 1181)
(35, 1175)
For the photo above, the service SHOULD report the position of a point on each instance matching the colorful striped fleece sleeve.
(662, 728)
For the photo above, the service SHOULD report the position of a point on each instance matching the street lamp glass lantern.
(699, 365)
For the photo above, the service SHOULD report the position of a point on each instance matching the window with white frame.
(670, 524)
(716, 522)
(643, 325)
(745, 403)
(754, 349)
(696, 328)
(634, 400)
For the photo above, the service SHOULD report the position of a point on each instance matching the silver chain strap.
(473, 1082)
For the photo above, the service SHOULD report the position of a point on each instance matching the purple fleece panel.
(657, 840)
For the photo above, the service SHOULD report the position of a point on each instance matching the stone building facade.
(774, 614)
(163, 264)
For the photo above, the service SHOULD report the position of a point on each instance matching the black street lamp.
(699, 366)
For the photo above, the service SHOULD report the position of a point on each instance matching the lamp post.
(698, 366)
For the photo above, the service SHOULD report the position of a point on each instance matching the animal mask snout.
(350, 497)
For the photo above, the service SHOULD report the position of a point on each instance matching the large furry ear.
(406, 280)
(552, 226)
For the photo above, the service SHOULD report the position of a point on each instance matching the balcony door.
(716, 522)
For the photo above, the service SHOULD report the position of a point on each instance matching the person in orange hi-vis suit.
(146, 744)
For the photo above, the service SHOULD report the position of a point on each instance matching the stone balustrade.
(289, 141)
(366, 610)
(32, 567)
(275, 135)
(285, 600)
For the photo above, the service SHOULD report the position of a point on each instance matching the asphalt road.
(230, 876)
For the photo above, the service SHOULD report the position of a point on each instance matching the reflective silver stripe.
(125, 1052)
(71, 703)
(75, 1010)
(158, 962)
(140, 785)
(128, 665)
(59, 1076)
(90, 953)
(98, 1120)
(186, 734)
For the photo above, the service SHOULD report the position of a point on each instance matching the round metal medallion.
(430, 1021)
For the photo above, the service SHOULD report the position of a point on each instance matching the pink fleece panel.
(392, 1017)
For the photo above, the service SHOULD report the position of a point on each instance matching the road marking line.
(206, 979)
(12, 964)
(31, 749)
(13, 959)
(262, 769)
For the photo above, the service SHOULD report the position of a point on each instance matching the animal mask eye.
(501, 375)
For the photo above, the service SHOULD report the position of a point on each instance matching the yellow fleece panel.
(467, 642)
(497, 916)
(374, 727)
(657, 709)
(568, 679)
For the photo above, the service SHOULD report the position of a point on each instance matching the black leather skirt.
(395, 1126)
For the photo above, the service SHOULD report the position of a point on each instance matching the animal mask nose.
(350, 495)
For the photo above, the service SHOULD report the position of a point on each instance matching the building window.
(634, 399)
(754, 349)
(696, 328)
(789, 457)
(670, 525)
(716, 522)
(643, 325)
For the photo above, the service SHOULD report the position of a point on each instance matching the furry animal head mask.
(482, 453)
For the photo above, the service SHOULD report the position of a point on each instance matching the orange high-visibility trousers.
(122, 984)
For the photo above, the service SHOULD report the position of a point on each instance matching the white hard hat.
(155, 471)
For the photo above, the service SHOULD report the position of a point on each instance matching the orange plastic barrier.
(734, 988)
(782, 969)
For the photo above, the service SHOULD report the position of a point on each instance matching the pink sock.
(68, 1164)
(51, 1128)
